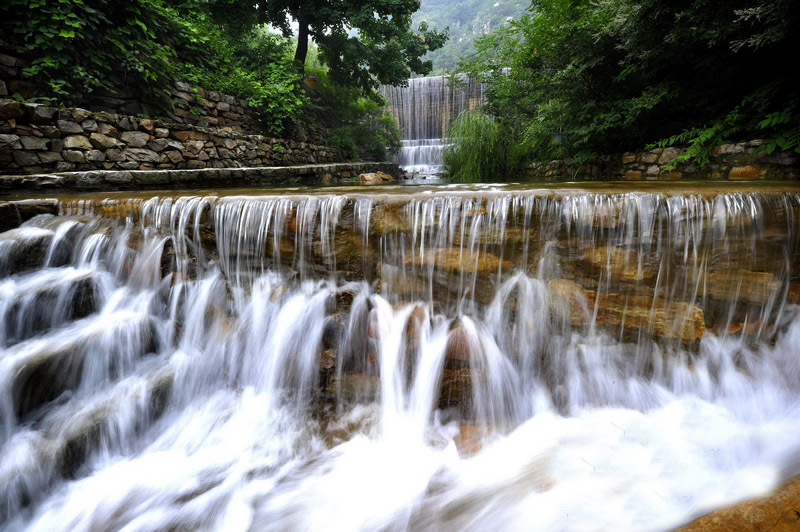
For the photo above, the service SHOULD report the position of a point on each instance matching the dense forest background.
(581, 78)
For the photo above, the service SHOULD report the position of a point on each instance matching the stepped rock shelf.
(309, 174)
(393, 357)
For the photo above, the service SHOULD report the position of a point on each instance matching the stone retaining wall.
(737, 161)
(35, 138)
(313, 174)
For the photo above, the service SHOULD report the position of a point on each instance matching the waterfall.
(424, 109)
(457, 358)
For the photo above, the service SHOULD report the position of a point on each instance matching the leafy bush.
(257, 67)
(477, 148)
(360, 126)
(341, 140)
(577, 78)
(77, 47)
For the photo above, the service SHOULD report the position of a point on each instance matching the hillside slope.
(467, 20)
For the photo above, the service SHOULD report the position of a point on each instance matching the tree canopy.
(364, 44)
(576, 78)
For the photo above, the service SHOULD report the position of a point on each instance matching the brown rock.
(668, 155)
(375, 178)
(73, 156)
(458, 345)
(190, 135)
(456, 389)
(660, 319)
(738, 285)
(568, 302)
(777, 512)
(621, 263)
(78, 142)
(746, 173)
(633, 175)
(69, 127)
(469, 439)
(174, 156)
(49, 157)
(107, 130)
(10, 109)
(26, 158)
(103, 142)
(794, 293)
(34, 143)
(147, 125)
(78, 114)
(135, 139)
(354, 387)
(95, 156)
(460, 259)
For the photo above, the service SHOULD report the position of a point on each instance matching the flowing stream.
(424, 109)
(460, 358)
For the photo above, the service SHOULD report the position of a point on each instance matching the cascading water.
(424, 110)
(460, 359)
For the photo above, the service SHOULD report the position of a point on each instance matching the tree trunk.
(302, 43)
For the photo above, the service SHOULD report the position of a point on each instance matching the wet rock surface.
(201, 177)
(472, 325)
(776, 512)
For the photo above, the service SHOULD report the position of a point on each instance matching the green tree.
(364, 44)
(577, 78)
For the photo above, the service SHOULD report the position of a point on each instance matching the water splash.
(456, 360)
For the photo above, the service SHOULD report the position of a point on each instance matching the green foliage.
(477, 148)
(80, 46)
(700, 141)
(360, 127)
(341, 140)
(364, 44)
(257, 67)
(576, 78)
(782, 131)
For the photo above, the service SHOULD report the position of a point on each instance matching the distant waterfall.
(424, 110)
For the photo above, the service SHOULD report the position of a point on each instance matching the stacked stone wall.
(36, 138)
(735, 161)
